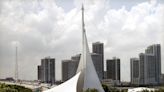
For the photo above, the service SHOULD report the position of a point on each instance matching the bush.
(110, 89)
(124, 90)
(13, 88)
(91, 90)
(105, 87)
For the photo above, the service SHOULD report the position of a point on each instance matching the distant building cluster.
(46, 71)
(146, 70)
(69, 67)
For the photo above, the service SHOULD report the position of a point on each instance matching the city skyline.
(146, 70)
(46, 28)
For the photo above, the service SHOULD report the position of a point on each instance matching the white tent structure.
(86, 77)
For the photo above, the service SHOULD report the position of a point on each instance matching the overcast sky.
(44, 28)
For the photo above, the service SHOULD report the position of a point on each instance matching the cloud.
(130, 32)
(33, 28)
(43, 28)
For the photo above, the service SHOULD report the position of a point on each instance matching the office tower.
(96, 58)
(153, 56)
(150, 66)
(98, 48)
(134, 67)
(65, 70)
(69, 67)
(113, 69)
(40, 71)
(46, 71)
(142, 68)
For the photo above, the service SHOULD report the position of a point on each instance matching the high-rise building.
(98, 48)
(150, 65)
(154, 62)
(69, 67)
(142, 68)
(40, 73)
(65, 70)
(96, 58)
(134, 67)
(46, 71)
(113, 69)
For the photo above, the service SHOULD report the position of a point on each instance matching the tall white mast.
(83, 32)
(86, 77)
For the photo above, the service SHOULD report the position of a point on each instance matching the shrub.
(13, 88)
(91, 90)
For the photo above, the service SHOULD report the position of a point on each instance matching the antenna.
(16, 64)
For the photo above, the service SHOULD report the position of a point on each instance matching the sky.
(41, 28)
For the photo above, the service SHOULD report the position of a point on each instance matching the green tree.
(105, 87)
(13, 88)
(91, 90)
